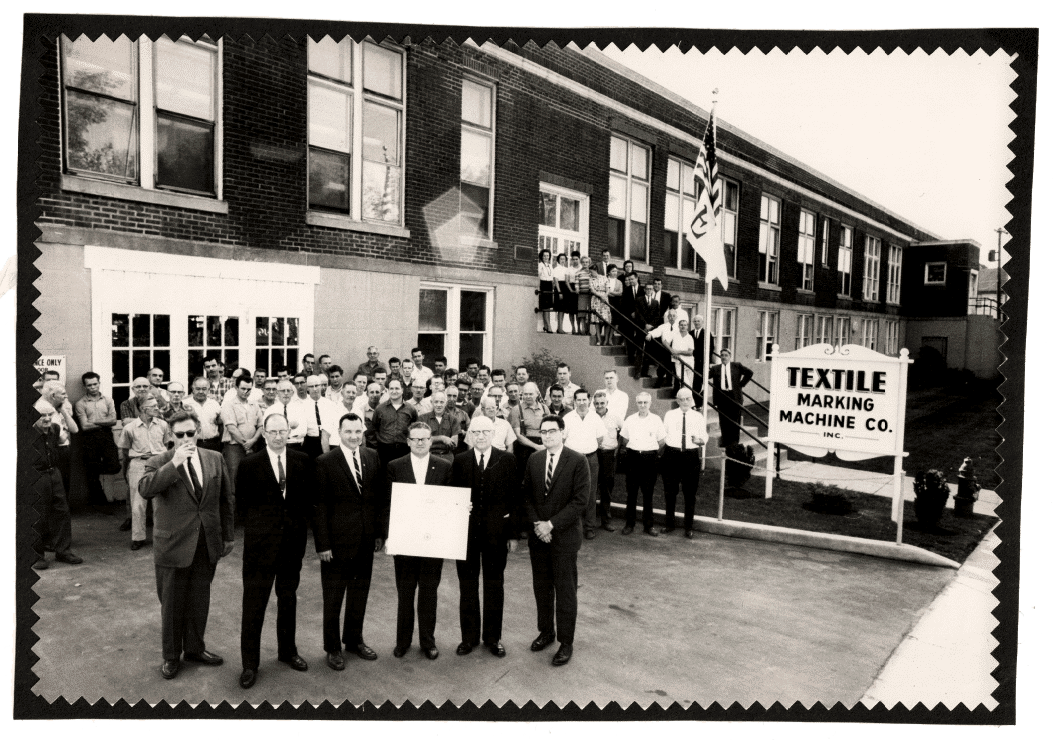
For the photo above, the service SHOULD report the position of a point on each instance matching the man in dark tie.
(493, 532)
(555, 492)
(698, 359)
(273, 489)
(349, 488)
(193, 530)
(727, 384)
(411, 573)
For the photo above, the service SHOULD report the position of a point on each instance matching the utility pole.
(998, 276)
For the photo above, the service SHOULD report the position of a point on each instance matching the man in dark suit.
(662, 296)
(345, 530)
(493, 532)
(630, 321)
(698, 359)
(555, 492)
(422, 468)
(727, 384)
(193, 530)
(651, 311)
(273, 489)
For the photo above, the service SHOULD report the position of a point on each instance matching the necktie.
(197, 487)
(285, 413)
(683, 431)
(283, 476)
(725, 376)
(357, 472)
(317, 410)
(549, 475)
(482, 463)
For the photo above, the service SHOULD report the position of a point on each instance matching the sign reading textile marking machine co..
(845, 399)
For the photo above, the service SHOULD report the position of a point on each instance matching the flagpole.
(708, 319)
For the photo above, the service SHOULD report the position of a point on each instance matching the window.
(216, 338)
(891, 337)
(456, 322)
(628, 199)
(825, 242)
(974, 289)
(823, 333)
(356, 117)
(805, 254)
(766, 335)
(869, 333)
(723, 323)
(769, 238)
(804, 329)
(142, 113)
(276, 344)
(563, 220)
(935, 273)
(678, 214)
(871, 274)
(730, 203)
(895, 272)
(843, 260)
(477, 160)
(139, 342)
(843, 330)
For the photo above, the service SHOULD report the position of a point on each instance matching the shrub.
(738, 473)
(542, 369)
(828, 499)
(931, 491)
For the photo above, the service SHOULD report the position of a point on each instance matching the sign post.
(848, 400)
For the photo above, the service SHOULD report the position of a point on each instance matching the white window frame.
(473, 239)
(805, 248)
(891, 337)
(143, 51)
(358, 96)
(929, 265)
(766, 335)
(723, 328)
(563, 241)
(629, 180)
(729, 216)
(769, 231)
(895, 273)
(871, 270)
(842, 330)
(844, 259)
(974, 291)
(870, 332)
(686, 207)
(824, 329)
(451, 343)
(804, 329)
(825, 241)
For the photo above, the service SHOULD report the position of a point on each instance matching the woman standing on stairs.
(563, 293)
(546, 288)
(600, 311)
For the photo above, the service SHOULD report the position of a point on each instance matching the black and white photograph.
(703, 351)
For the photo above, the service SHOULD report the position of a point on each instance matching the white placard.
(429, 521)
(52, 362)
(849, 400)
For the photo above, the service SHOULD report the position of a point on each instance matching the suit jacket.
(496, 516)
(565, 502)
(178, 517)
(664, 300)
(343, 516)
(651, 313)
(275, 525)
(738, 375)
(401, 471)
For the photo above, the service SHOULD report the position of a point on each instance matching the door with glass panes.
(456, 322)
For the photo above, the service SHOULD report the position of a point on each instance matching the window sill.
(936, 285)
(679, 272)
(348, 224)
(638, 266)
(769, 286)
(842, 297)
(75, 184)
(475, 241)
(804, 291)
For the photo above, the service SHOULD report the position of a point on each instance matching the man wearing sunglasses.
(194, 529)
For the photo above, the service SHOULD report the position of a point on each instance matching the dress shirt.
(665, 332)
(350, 456)
(695, 426)
(57, 418)
(295, 412)
(424, 373)
(420, 468)
(725, 377)
(193, 461)
(208, 412)
(448, 426)
(254, 397)
(531, 419)
(424, 407)
(392, 423)
(582, 434)
(503, 433)
(618, 403)
(613, 424)
(91, 411)
(337, 412)
(643, 435)
(142, 440)
(246, 415)
(308, 408)
(329, 418)
(678, 342)
(569, 395)
(484, 455)
(545, 272)
(273, 458)
(335, 396)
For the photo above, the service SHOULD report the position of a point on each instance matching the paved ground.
(661, 620)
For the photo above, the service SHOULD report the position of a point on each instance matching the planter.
(932, 494)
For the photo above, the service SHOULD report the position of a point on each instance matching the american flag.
(704, 229)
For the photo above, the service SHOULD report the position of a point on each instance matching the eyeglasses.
(140, 387)
(477, 432)
(419, 440)
(183, 435)
(554, 430)
(278, 432)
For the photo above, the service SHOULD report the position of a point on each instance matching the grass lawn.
(870, 519)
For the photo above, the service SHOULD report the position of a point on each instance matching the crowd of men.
(319, 449)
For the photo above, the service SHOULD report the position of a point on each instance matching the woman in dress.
(600, 311)
(614, 290)
(546, 286)
(563, 293)
(584, 284)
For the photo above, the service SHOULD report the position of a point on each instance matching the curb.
(820, 540)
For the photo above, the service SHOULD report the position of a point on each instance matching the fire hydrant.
(968, 489)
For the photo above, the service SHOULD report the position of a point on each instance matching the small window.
(936, 273)
(628, 184)
(766, 335)
(805, 249)
(769, 238)
(477, 160)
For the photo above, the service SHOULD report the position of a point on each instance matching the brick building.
(255, 201)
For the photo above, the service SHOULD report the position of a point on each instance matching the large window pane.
(670, 248)
(330, 58)
(381, 192)
(232, 331)
(102, 66)
(383, 71)
(184, 79)
(673, 174)
(670, 213)
(638, 241)
(119, 330)
(618, 155)
(546, 209)
(261, 331)
(639, 162)
(292, 332)
(475, 157)
(471, 345)
(476, 104)
(120, 366)
(329, 180)
(141, 362)
(381, 133)
(329, 118)
(569, 214)
(101, 135)
(617, 197)
(473, 311)
(141, 330)
(160, 360)
(616, 236)
(639, 202)
(432, 345)
(161, 330)
(276, 331)
(196, 334)
(432, 310)
(475, 210)
(213, 331)
(185, 154)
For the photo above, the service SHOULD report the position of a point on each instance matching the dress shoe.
(40, 564)
(652, 532)
(69, 558)
(296, 662)
(688, 534)
(466, 647)
(607, 526)
(137, 544)
(362, 651)
(126, 525)
(542, 641)
(170, 668)
(400, 651)
(563, 655)
(205, 657)
(496, 648)
(627, 529)
(589, 533)
(335, 661)
(430, 652)
(247, 678)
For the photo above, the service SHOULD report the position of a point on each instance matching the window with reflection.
(678, 215)
(477, 159)
(214, 338)
(276, 344)
(139, 342)
(629, 167)
(563, 219)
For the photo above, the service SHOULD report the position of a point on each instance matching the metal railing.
(983, 305)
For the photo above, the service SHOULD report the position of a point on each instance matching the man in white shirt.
(420, 372)
(618, 401)
(585, 432)
(419, 401)
(297, 416)
(609, 448)
(334, 393)
(643, 437)
(504, 436)
(659, 350)
(208, 412)
(686, 434)
(322, 411)
(682, 345)
(563, 379)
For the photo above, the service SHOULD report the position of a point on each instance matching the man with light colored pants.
(585, 432)
(243, 425)
(140, 440)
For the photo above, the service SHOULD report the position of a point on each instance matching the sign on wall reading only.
(52, 362)
(849, 400)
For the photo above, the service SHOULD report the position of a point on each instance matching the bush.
(737, 473)
(828, 499)
(542, 369)
(930, 488)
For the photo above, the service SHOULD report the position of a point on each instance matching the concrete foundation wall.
(982, 354)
